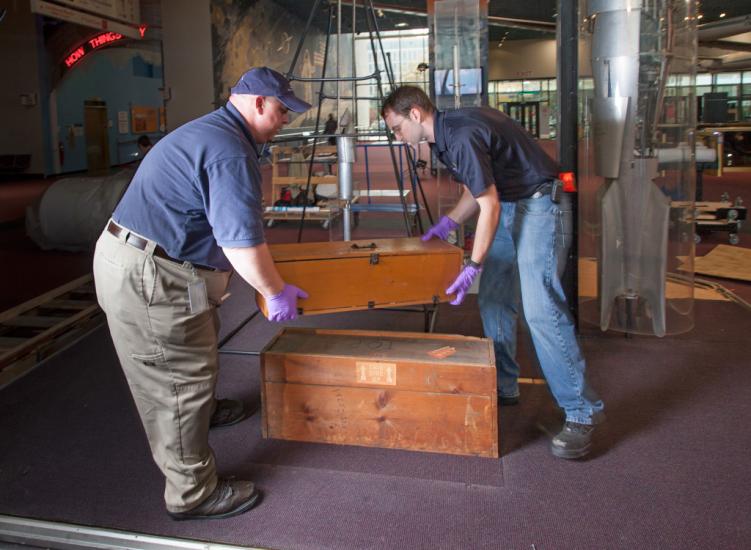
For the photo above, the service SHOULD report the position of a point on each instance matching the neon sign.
(90, 45)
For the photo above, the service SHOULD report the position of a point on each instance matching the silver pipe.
(724, 28)
(493, 20)
(338, 53)
(345, 150)
(354, 70)
(457, 80)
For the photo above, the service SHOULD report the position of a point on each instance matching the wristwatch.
(474, 264)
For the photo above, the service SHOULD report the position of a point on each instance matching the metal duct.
(724, 28)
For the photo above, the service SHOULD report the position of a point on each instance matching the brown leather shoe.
(227, 413)
(230, 498)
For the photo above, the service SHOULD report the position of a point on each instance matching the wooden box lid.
(359, 249)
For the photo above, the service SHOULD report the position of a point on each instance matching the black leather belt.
(543, 190)
(552, 188)
(141, 243)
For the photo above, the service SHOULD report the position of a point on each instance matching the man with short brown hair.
(521, 243)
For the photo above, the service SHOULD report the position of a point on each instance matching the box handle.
(371, 246)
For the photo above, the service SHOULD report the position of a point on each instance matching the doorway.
(97, 136)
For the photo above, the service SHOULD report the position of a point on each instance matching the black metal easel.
(375, 37)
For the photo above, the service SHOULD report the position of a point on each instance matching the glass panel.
(728, 78)
(406, 49)
(636, 170)
(458, 47)
(509, 87)
(746, 109)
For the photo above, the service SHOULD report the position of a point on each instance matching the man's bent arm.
(487, 223)
(465, 208)
(256, 266)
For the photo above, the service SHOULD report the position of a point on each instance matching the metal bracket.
(371, 305)
(374, 259)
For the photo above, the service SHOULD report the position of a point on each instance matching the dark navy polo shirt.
(199, 189)
(483, 146)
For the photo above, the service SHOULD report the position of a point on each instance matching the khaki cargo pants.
(169, 357)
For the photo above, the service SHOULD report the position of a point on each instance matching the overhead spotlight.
(700, 16)
(401, 24)
(723, 14)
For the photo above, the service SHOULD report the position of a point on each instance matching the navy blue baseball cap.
(267, 82)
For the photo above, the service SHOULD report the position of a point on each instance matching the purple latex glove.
(283, 306)
(441, 229)
(462, 283)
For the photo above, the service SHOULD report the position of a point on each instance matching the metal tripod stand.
(346, 142)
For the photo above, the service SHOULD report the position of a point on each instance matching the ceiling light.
(402, 24)
(700, 16)
(723, 14)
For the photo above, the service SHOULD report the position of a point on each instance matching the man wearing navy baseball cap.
(191, 216)
(263, 81)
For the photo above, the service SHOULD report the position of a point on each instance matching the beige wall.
(188, 65)
(525, 59)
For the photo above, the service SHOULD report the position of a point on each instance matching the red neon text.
(75, 56)
(104, 38)
(97, 42)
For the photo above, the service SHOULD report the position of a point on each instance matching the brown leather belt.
(140, 243)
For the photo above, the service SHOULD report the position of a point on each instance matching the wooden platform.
(38, 328)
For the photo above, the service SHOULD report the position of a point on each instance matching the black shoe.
(230, 498)
(508, 401)
(573, 441)
(227, 412)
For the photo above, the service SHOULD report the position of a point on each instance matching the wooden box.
(354, 275)
(402, 390)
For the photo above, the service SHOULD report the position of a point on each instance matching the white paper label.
(371, 372)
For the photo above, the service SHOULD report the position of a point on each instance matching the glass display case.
(637, 170)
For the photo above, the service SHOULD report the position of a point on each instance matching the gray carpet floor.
(669, 469)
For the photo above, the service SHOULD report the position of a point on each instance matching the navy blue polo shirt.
(199, 189)
(483, 146)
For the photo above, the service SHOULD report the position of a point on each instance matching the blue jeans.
(526, 259)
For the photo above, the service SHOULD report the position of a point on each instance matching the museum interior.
(374, 412)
